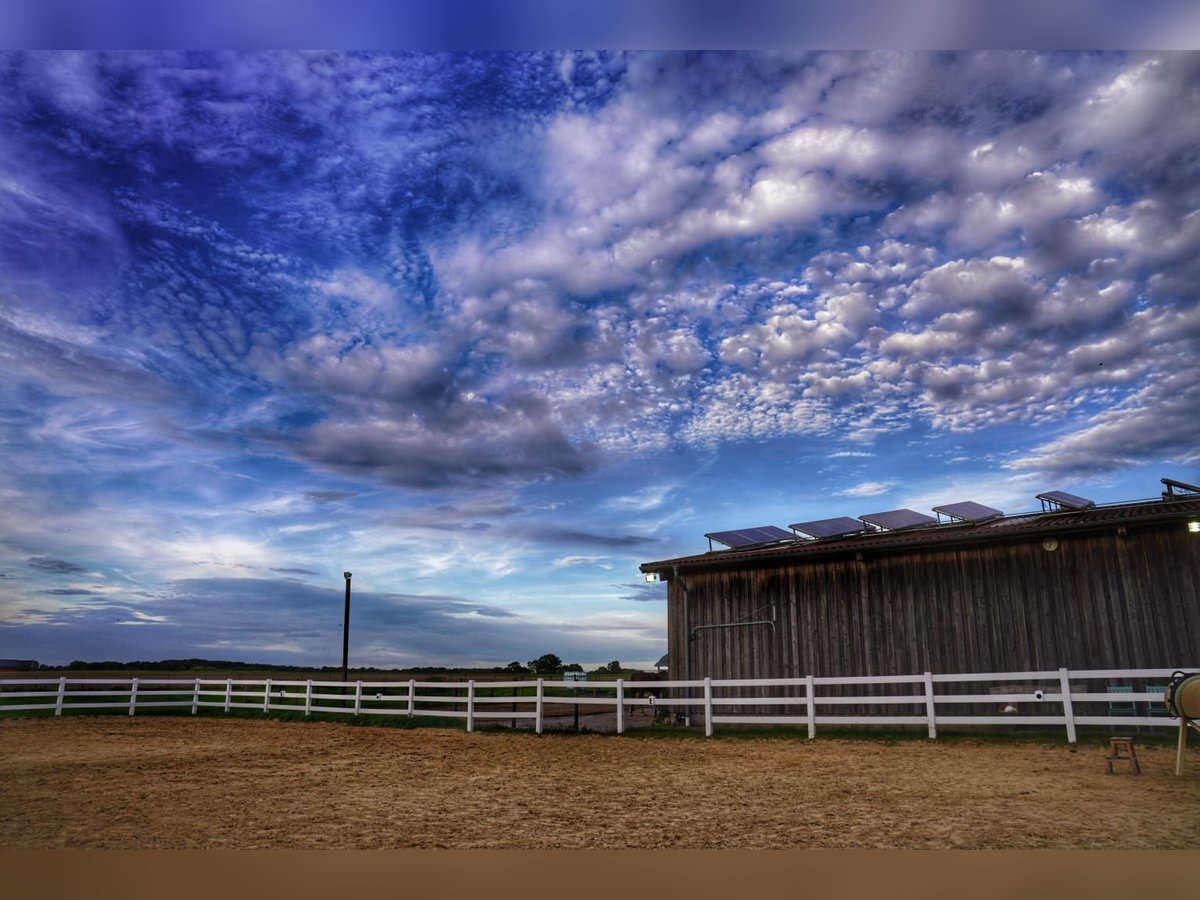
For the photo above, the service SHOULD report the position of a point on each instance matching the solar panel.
(1063, 500)
(968, 511)
(1181, 486)
(895, 519)
(748, 537)
(827, 528)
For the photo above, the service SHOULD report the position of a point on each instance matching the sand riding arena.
(177, 782)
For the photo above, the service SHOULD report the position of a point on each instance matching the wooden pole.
(1182, 745)
(346, 630)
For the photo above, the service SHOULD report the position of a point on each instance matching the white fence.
(1129, 698)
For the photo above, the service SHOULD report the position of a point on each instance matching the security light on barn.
(652, 577)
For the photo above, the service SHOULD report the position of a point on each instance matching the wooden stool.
(1121, 749)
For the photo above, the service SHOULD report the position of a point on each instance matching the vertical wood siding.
(1101, 600)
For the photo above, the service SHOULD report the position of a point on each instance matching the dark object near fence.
(635, 684)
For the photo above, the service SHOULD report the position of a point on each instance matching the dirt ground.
(110, 782)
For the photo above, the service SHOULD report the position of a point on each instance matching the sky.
(490, 330)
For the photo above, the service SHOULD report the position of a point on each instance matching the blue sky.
(490, 330)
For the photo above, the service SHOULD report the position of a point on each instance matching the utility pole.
(346, 629)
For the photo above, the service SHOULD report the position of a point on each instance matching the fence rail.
(1057, 698)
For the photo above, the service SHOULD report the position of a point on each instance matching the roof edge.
(1092, 519)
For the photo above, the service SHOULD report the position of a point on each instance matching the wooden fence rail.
(1056, 698)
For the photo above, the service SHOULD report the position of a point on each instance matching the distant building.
(18, 665)
(973, 590)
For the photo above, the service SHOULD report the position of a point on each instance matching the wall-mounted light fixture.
(1194, 527)
(1050, 544)
(652, 577)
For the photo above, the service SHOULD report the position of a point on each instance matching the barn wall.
(1100, 600)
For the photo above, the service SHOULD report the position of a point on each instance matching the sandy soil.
(113, 782)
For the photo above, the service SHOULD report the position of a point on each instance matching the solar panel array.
(968, 511)
(749, 537)
(828, 528)
(1063, 500)
(895, 519)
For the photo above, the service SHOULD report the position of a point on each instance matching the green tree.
(516, 668)
(548, 664)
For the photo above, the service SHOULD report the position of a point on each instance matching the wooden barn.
(973, 590)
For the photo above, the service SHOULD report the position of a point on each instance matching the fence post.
(620, 706)
(708, 706)
(62, 692)
(929, 706)
(358, 697)
(133, 696)
(471, 704)
(196, 697)
(538, 705)
(1068, 709)
(267, 698)
(809, 689)
(228, 693)
(412, 697)
(308, 697)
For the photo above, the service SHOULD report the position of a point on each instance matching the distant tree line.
(177, 665)
(547, 664)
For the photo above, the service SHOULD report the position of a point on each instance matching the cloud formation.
(55, 566)
(1005, 212)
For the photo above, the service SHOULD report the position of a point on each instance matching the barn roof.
(1179, 507)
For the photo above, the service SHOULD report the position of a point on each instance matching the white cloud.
(645, 500)
(576, 560)
(357, 287)
(867, 489)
